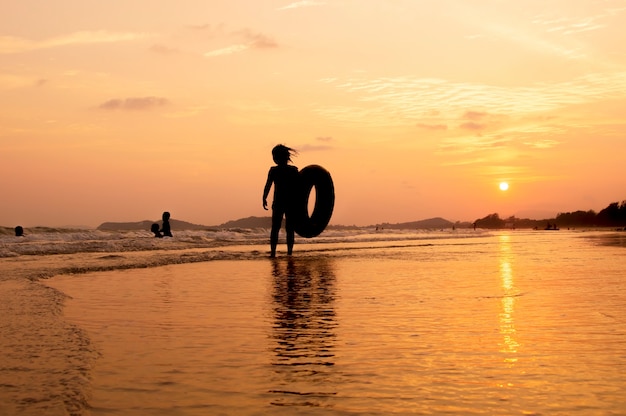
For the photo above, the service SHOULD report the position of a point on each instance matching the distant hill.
(266, 222)
(437, 222)
(249, 222)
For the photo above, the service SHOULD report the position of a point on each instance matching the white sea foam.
(49, 241)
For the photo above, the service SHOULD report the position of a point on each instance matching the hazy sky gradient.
(120, 110)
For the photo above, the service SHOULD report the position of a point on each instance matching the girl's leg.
(290, 234)
(290, 240)
(277, 219)
(273, 243)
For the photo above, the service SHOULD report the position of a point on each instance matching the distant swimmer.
(165, 229)
(155, 230)
(284, 177)
(19, 231)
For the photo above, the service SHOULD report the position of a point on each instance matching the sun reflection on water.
(507, 315)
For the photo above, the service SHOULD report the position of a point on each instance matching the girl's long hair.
(283, 154)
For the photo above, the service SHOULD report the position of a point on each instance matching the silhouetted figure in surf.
(165, 229)
(284, 177)
(19, 231)
(156, 231)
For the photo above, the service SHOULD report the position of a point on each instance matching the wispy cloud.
(257, 40)
(474, 115)
(134, 103)
(542, 144)
(314, 148)
(471, 144)
(163, 49)
(479, 120)
(248, 40)
(426, 126)
(300, 4)
(11, 45)
(556, 28)
(397, 100)
(228, 50)
(570, 25)
(503, 142)
(533, 42)
(470, 125)
(323, 143)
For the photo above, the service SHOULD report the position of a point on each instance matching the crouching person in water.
(284, 177)
(156, 231)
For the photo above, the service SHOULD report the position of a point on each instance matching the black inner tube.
(309, 226)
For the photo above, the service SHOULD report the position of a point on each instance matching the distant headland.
(266, 222)
(614, 215)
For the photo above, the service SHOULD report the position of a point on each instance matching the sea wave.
(50, 241)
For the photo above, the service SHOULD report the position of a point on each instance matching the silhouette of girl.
(284, 177)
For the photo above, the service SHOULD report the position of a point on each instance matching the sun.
(504, 186)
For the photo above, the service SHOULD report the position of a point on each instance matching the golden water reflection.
(303, 330)
(507, 315)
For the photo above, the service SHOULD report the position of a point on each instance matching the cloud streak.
(228, 50)
(300, 4)
(134, 103)
(258, 40)
(470, 125)
(12, 45)
(163, 49)
(249, 40)
(573, 25)
(434, 127)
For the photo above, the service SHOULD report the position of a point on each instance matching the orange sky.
(120, 110)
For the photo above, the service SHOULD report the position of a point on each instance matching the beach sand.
(510, 324)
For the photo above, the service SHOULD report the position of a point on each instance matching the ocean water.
(355, 323)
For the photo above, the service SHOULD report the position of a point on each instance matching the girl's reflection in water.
(304, 331)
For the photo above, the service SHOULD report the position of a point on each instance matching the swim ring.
(309, 226)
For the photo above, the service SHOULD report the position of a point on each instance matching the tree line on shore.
(614, 215)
